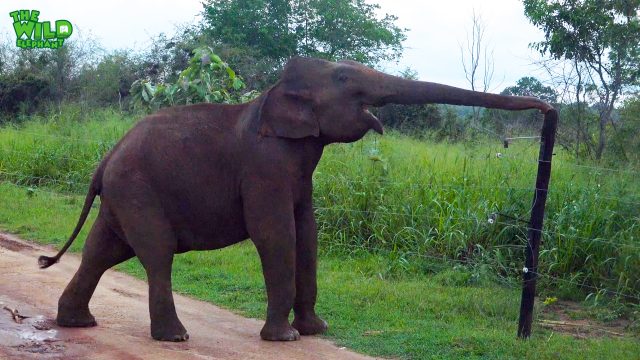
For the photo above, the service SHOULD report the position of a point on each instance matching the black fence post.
(530, 269)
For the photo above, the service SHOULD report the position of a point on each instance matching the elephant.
(206, 176)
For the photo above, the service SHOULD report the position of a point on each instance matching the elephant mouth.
(373, 122)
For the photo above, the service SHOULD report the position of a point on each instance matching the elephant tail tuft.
(46, 261)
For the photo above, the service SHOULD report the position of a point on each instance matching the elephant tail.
(94, 190)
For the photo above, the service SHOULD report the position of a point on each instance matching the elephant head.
(330, 100)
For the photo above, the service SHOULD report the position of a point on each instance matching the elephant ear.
(288, 113)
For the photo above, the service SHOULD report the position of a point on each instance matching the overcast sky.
(436, 30)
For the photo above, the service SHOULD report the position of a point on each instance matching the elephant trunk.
(397, 90)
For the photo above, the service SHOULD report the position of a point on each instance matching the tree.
(626, 141)
(108, 82)
(530, 86)
(33, 78)
(601, 36)
(206, 79)
(280, 29)
(415, 120)
(169, 55)
(513, 122)
(579, 120)
(476, 53)
(22, 90)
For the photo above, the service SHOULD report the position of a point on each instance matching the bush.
(414, 120)
(625, 143)
(206, 79)
(23, 91)
(108, 82)
(413, 202)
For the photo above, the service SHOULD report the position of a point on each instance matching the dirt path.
(120, 307)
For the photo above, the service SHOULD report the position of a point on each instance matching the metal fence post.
(530, 269)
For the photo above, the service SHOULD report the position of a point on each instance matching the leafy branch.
(207, 79)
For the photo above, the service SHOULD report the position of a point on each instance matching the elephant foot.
(310, 325)
(279, 333)
(75, 318)
(175, 333)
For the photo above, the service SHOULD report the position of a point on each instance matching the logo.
(32, 33)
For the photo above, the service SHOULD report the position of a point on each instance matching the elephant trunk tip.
(550, 112)
(46, 261)
(547, 108)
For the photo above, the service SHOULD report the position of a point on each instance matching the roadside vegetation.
(423, 230)
(416, 260)
(413, 201)
(444, 313)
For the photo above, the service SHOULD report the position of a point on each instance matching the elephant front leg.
(306, 321)
(271, 226)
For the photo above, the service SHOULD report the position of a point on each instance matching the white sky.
(437, 28)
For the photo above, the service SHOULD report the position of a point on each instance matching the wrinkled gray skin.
(206, 176)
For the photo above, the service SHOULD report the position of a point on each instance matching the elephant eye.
(343, 78)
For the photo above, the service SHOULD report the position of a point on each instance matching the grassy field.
(437, 315)
(410, 201)
(415, 261)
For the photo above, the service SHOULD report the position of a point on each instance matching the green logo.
(31, 33)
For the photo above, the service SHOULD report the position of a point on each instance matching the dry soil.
(121, 310)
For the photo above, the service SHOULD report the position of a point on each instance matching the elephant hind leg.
(102, 250)
(154, 242)
(165, 324)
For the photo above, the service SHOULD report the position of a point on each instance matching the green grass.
(61, 149)
(411, 265)
(417, 199)
(441, 315)
(408, 200)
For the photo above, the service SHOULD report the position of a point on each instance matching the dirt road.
(120, 307)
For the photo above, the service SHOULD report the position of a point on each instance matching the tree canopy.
(601, 38)
(280, 29)
(530, 86)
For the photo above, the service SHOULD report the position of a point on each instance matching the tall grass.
(416, 200)
(61, 149)
(425, 206)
